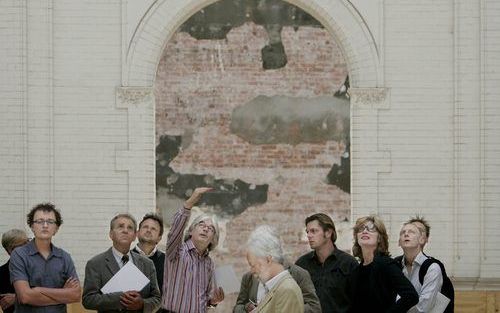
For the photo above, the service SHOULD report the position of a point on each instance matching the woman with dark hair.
(378, 284)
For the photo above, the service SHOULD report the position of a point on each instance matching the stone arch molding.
(368, 96)
(339, 17)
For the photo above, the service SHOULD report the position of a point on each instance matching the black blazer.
(386, 280)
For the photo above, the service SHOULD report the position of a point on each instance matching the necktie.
(124, 259)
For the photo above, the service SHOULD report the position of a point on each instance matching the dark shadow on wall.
(217, 19)
(230, 197)
(340, 175)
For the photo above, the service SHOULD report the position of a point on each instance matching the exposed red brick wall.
(198, 85)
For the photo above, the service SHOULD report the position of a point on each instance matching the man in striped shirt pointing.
(189, 283)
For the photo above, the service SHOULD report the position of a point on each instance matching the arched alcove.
(346, 27)
(339, 17)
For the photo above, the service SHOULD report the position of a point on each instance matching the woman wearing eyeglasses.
(378, 284)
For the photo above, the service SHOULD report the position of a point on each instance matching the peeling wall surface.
(266, 139)
(216, 20)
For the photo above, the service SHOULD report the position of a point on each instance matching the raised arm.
(174, 239)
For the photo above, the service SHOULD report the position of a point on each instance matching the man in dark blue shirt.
(43, 275)
(328, 266)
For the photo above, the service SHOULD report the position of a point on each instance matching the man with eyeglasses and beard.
(43, 275)
(189, 283)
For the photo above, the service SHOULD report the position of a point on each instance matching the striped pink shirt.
(188, 279)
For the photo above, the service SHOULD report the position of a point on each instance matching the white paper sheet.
(225, 277)
(441, 304)
(128, 278)
(439, 307)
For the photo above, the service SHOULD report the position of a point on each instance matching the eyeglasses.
(370, 227)
(42, 222)
(210, 228)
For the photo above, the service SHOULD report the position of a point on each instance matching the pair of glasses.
(42, 222)
(369, 227)
(210, 228)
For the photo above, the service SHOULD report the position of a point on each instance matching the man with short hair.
(412, 239)
(424, 226)
(101, 268)
(189, 283)
(328, 266)
(149, 235)
(43, 275)
(11, 239)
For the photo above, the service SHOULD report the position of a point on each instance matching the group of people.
(40, 277)
(330, 280)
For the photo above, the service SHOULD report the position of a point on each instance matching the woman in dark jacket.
(378, 284)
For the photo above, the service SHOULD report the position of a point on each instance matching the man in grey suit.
(101, 268)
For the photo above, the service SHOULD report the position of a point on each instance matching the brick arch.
(339, 17)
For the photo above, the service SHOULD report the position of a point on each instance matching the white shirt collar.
(118, 256)
(144, 253)
(263, 289)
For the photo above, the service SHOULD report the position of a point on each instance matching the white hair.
(196, 221)
(265, 241)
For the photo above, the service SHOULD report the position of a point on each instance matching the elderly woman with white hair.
(277, 291)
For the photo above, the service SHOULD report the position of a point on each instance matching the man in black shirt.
(329, 267)
(149, 234)
(10, 240)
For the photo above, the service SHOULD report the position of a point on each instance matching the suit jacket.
(250, 284)
(99, 271)
(284, 297)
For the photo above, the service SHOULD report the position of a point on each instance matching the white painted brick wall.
(491, 133)
(417, 129)
(12, 88)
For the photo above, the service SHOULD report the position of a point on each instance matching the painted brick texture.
(11, 114)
